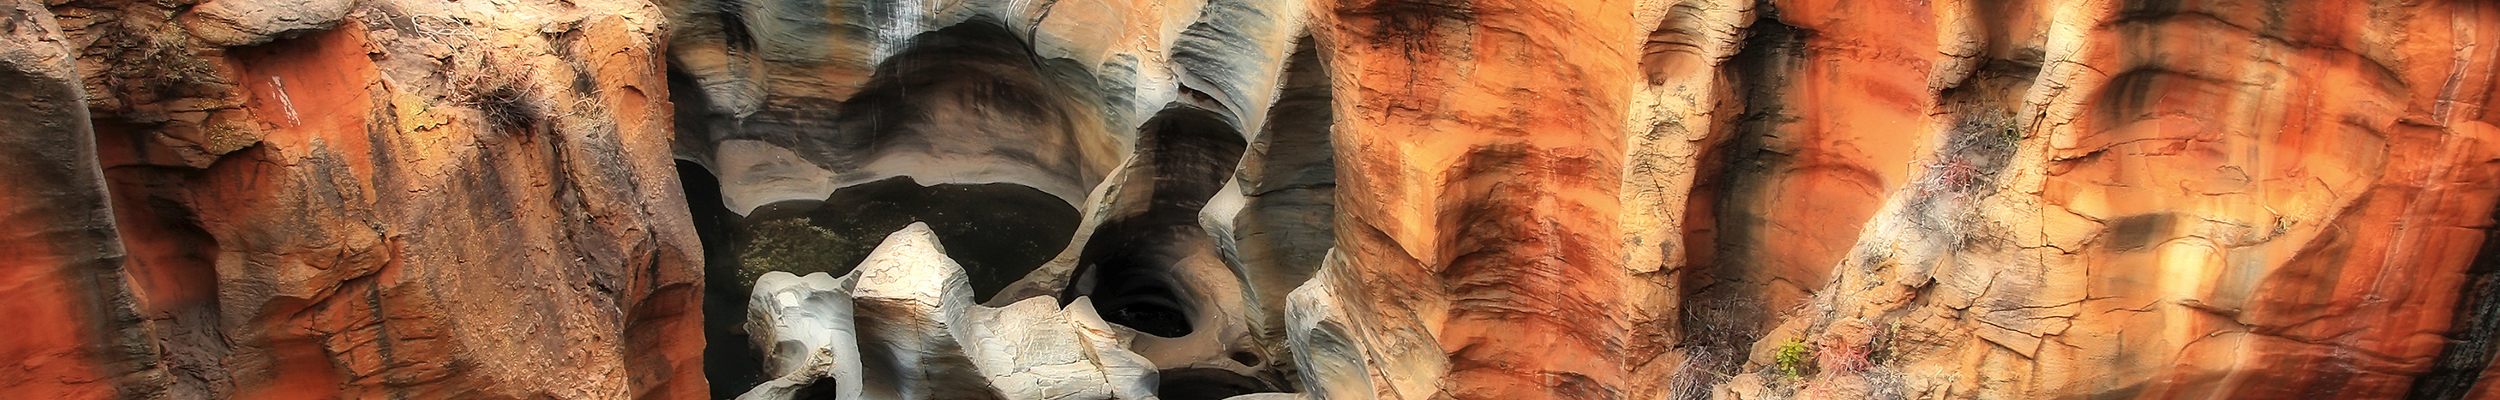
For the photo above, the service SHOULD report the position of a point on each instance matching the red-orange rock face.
(2197, 199)
(1480, 146)
(1382, 199)
(2024, 199)
(384, 208)
(70, 334)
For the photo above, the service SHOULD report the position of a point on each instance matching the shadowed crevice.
(1723, 307)
(1288, 222)
(730, 365)
(2470, 341)
(1131, 264)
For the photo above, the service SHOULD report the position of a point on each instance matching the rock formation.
(271, 200)
(1212, 199)
(902, 326)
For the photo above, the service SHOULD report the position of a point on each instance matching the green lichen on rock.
(1794, 359)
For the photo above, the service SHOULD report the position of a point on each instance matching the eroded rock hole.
(1205, 384)
(962, 129)
(1149, 306)
(998, 232)
(1135, 265)
(968, 103)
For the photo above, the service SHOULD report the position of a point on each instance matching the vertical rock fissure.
(1287, 224)
(730, 365)
(1723, 307)
(173, 264)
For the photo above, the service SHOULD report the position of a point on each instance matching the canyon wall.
(1286, 199)
(281, 200)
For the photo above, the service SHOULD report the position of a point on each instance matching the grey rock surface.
(251, 22)
(903, 326)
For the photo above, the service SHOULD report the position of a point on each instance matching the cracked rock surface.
(1249, 199)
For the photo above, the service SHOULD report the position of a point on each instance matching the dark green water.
(998, 232)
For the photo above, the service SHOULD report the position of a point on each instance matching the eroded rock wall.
(1904, 200)
(1402, 199)
(2117, 199)
(350, 200)
(1482, 145)
(78, 333)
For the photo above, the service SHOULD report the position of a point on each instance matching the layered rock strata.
(376, 199)
(1118, 199)
(1828, 199)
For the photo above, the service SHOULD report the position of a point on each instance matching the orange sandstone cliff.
(1239, 199)
(393, 200)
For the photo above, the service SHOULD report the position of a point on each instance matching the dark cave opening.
(956, 102)
(1004, 231)
(998, 232)
(1131, 266)
(965, 100)
(1206, 384)
(973, 97)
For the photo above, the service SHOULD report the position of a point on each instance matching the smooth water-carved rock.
(1335, 362)
(903, 325)
(806, 327)
(1321, 199)
(973, 95)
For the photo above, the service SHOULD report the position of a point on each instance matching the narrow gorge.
(1249, 199)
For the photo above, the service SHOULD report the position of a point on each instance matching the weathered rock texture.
(902, 326)
(379, 199)
(78, 333)
(2105, 202)
(1207, 199)
(2185, 199)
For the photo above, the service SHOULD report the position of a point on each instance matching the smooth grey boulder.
(804, 324)
(906, 314)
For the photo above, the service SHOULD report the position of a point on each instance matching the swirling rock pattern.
(1208, 199)
(413, 200)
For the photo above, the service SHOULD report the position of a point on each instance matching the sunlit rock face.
(1106, 154)
(1234, 199)
(902, 326)
(1734, 199)
(376, 199)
